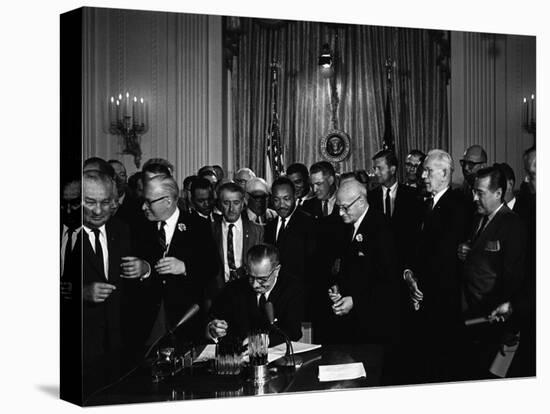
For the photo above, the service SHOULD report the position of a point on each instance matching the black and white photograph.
(295, 207)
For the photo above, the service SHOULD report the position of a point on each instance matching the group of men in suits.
(397, 265)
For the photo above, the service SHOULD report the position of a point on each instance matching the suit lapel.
(490, 228)
(218, 236)
(246, 235)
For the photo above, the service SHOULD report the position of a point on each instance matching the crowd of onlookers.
(443, 277)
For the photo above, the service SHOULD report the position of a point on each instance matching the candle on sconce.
(525, 111)
(533, 111)
(118, 110)
(111, 110)
(134, 112)
(127, 105)
(142, 111)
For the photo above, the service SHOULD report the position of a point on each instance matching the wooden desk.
(138, 387)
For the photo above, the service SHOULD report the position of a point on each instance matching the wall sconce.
(325, 59)
(128, 118)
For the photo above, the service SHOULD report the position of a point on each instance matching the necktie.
(99, 250)
(230, 252)
(388, 204)
(162, 236)
(325, 208)
(281, 229)
(68, 248)
(480, 228)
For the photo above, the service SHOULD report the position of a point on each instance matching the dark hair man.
(413, 168)
(299, 175)
(240, 308)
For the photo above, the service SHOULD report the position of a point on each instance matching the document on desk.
(276, 352)
(341, 372)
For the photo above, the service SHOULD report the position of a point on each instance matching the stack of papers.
(341, 372)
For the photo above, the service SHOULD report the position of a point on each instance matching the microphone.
(192, 311)
(289, 357)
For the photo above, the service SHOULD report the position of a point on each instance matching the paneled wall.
(490, 75)
(175, 62)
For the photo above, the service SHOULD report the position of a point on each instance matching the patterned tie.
(231, 253)
(281, 229)
(388, 204)
(162, 236)
(325, 208)
(99, 250)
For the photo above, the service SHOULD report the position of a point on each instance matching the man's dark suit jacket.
(494, 267)
(368, 274)
(437, 267)
(237, 305)
(296, 243)
(253, 234)
(405, 221)
(190, 244)
(130, 211)
(102, 321)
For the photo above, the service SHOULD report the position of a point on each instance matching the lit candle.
(533, 111)
(111, 110)
(142, 111)
(118, 110)
(524, 111)
(127, 105)
(134, 112)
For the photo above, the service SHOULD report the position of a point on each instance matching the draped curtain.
(419, 97)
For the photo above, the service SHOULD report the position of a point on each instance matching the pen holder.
(258, 343)
(228, 358)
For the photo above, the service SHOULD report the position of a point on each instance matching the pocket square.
(492, 246)
(360, 253)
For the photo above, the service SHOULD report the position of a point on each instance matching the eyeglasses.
(469, 164)
(411, 165)
(262, 280)
(346, 208)
(149, 203)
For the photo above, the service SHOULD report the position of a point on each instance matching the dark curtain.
(419, 94)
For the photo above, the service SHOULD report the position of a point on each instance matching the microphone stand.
(289, 359)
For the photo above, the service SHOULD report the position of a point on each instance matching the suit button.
(164, 282)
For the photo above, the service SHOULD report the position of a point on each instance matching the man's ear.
(393, 169)
(331, 179)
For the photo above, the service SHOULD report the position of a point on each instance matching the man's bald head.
(474, 159)
(351, 200)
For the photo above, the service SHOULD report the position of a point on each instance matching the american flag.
(274, 165)
(388, 141)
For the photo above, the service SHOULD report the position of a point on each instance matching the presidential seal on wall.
(335, 146)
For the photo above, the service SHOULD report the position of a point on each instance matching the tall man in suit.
(128, 209)
(364, 295)
(202, 199)
(233, 235)
(182, 260)
(434, 279)
(413, 169)
(240, 308)
(494, 260)
(398, 203)
(103, 242)
(292, 231)
(330, 237)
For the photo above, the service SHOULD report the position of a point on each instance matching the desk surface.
(138, 386)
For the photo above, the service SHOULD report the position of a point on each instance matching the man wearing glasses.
(240, 308)
(182, 261)
(365, 293)
(474, 159)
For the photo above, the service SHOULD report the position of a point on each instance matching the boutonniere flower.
(359, 237)
(182, 227)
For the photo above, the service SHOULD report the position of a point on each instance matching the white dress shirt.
(512, 203)
(280, 223)
(393, 194)
(358, 222)
(103, 243)
(237, 244)
(439, 195)
(171, 223)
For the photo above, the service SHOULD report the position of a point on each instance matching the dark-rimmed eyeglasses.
(262, 280)
(469, 164)
(149, 203)
(411, 165)
(345, 209)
